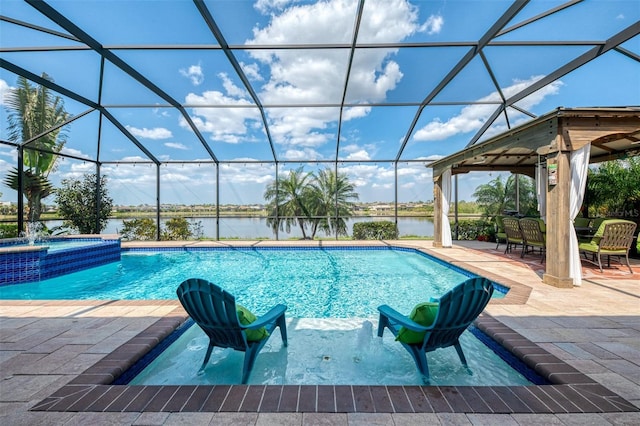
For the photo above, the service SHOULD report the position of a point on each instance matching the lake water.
(256, 227)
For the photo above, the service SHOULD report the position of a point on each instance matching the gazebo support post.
(557, 260)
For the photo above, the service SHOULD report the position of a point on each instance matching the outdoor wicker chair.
(514, 234)
(533, 236)
(613, 238)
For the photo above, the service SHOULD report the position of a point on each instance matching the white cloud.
(355, 112)
(176, 177)
(382, 185)
(161, 112)
(74, 152)
(252, 71)
(247, 173)
(4, 90)
(358, 152)
(193, 73)
(318, 76)
(433, 24)
(176, 145)
(363, 175)
(224, 124)
(134, 158)
(265, 6)
(82, 168)
(156, 133)
(472, 117)
(302, 154)
(360, 155)
(230, 88)
(12, 153)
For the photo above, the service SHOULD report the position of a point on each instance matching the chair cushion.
(588, 246)
(247, 317)
(595, 240)
(424, 314)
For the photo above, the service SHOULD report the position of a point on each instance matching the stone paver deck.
(58, 358)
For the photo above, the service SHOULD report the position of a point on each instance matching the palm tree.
(613, 187)
(497, 196)
(288, 200)
(331, 202)
(493, 196)
(33, 111)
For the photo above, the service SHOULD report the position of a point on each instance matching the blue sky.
(301, 89)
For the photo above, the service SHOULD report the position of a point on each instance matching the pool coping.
(570, 392)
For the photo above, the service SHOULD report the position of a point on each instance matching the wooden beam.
(583, 130)
(521, 170)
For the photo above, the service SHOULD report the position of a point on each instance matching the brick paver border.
(570, 391)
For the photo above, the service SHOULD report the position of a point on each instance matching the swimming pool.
(313, 283)
(21, 262)
(331, 294)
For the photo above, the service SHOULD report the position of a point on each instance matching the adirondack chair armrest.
(400, 319)
(267, 318)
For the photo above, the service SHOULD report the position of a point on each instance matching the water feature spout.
(33, 232)
(363, 341)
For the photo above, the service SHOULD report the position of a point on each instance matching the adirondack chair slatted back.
(458, 308)
(214, 310)
(617, 235)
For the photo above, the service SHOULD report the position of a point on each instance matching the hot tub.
(21, 262)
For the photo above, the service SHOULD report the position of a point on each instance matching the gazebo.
(556, 149)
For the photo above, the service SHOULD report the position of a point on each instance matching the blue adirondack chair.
(227, 324)
(452, 314)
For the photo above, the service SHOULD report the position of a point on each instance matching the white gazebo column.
(558, 198)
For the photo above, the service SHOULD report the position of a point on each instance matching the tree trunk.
(34, 207)
(301, 223)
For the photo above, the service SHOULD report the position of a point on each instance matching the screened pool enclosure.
(200, 107)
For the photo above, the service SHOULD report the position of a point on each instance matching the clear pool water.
(312, 283)
(328, 351)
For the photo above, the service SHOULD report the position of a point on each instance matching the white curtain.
(446, 199)
(541, 190)
(579, 168)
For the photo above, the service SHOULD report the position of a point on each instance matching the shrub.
(176, 228)
(138, 229)
(8, 230)
(78, 203)
(383, 230)
(474, 229)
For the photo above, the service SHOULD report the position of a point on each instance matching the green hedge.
(474, 229)
(382, 230)
(8, 230)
